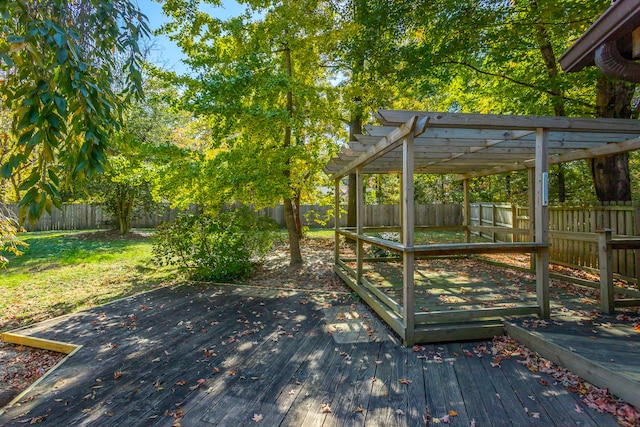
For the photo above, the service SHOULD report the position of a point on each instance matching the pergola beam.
(602, 150)
(386, 144)
(512, 122)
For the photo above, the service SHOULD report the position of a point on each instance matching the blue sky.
(166, 53)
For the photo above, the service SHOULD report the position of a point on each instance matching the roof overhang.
(474, 145)
(616, 23)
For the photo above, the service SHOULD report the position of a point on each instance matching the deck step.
(458, 331)
(620, 381)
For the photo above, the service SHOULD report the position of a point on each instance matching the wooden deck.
(603, 351)
(230, 356)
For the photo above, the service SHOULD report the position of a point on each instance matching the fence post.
(605, 264)
(514, 221)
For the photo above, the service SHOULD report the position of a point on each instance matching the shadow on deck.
(225, 355)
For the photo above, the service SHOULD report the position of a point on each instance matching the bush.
(215, 247)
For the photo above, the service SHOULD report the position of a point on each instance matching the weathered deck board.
(279, 355)
(604, 351)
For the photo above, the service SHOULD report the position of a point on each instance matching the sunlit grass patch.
(61, 272)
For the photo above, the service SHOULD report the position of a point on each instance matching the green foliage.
(58, 64)
(9, 241)
(240, 84)
(215, 247)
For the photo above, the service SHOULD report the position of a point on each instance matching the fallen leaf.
(257, 417)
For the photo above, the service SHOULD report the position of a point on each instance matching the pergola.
(470, 146)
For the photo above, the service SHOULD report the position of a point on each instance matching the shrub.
(216, 247)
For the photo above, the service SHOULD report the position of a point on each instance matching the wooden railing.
(606, 245)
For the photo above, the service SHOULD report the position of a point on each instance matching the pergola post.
(542, 220)
(336, 217)
(401, 208)
(408, 224)
(359, 223)
(605, 264)
(467, 211)
(531, 176)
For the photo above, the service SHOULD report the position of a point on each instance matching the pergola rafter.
(469, 146)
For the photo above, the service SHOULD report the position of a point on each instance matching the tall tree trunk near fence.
(555, 84)
(297, 215)
(611, 173)
(289, 215)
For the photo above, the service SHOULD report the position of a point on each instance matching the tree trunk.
(296, 201)
(294, 241)
(125, 206)
(555, 85)
(355, 127)
(611, 173)
(562, 187)
(289, 217)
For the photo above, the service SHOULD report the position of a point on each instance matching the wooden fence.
(572, 231)
(89, 217)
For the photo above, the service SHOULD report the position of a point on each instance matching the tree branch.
(518, 82)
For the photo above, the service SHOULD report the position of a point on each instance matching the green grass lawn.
(64, 271)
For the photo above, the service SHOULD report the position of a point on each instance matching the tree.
(140, 152)
(500, 57)
(9, 242)
(262, 85)
(57, 65)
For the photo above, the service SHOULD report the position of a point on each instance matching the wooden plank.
(41, 343)
(579, 154)
(479, 395)
(485, 229)
(511, 122)
(452, 316)
(594, 373)
(386, 144)
(389, 317)
(477, 248)
(458, 332)
(557, 404)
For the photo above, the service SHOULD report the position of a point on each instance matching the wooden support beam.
(605, 264)
(587, 153)
(359, 223)
(387, 143)
(531, 191)
(336, 217)
(467, 211)
(542, 221)
(408, 238)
